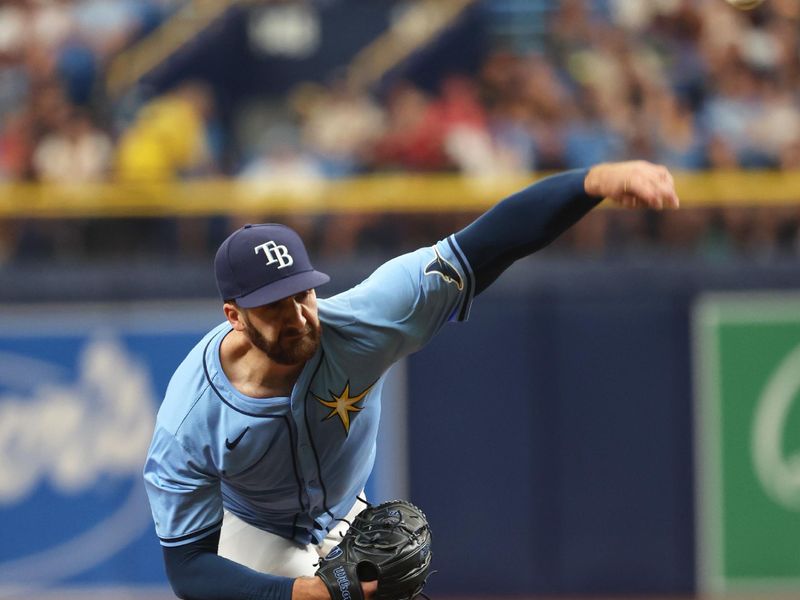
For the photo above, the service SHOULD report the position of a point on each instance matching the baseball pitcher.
(267, 433)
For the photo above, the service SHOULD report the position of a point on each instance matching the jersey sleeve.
(406, 301)
(183, 490)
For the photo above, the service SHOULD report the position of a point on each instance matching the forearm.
(195, 573)
(310, 588)
(524, 223)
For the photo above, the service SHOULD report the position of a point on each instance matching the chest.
(330, 421)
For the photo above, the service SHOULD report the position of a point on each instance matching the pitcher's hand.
(633, 184)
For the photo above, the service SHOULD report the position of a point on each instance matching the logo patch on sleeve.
(441, 267)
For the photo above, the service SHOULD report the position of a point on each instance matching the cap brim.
(283, 288)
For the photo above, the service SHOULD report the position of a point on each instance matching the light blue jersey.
(292, 465)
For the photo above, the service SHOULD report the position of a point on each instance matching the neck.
(252, 372)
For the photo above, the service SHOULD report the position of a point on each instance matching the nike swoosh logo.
(231, 445)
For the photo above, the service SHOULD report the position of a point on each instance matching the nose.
(296, 315)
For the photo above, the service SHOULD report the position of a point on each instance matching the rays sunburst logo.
(343, 404)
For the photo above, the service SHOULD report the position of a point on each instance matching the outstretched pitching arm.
(535, 216)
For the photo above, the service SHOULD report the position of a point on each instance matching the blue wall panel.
(551, 439)
(625, 445)
(472, 418)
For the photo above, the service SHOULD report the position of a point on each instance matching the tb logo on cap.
(276, 254)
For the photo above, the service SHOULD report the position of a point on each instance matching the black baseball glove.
(390, 543)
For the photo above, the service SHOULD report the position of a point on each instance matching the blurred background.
(618, 418)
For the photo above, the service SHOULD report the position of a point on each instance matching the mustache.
(296, 332)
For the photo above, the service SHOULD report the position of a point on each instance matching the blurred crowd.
(53, 55)
(693, 84)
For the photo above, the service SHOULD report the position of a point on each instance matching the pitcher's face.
(287, 331)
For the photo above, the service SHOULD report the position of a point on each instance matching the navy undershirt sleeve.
(196, 572)
(524, 223)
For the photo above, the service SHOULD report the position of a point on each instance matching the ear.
(235, 315)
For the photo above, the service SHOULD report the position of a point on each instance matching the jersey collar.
(228, 394)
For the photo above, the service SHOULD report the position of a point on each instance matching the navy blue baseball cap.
(260, 264)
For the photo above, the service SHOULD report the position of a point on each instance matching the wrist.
(310, 588)
(593, 182)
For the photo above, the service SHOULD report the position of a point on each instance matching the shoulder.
(440, 267)
(189, 383)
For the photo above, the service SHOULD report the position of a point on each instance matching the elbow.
(180, 589)
(181, 584)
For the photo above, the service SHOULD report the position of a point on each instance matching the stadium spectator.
(75, 152)
(414, 136)
(16, 147)
(169, 139)
(340, 125)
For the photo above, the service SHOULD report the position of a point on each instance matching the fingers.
(633, 184)
(669, 197)
(369, 588)
(648, 186)
(630, 201)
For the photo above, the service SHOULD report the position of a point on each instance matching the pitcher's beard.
(286, 351)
